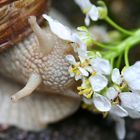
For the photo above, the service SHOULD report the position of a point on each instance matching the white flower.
(84, 83)
(89, 9)
(78, 77)
(132, 77)
(59, 29)
(89, 69)
(101, 65)
(87, 101)
(98, 82)
(83, 71)
(101, 103)
(72, 74)
(63, 32)
(130, 105)
(71, 59)
(131, 102)
(78, 71)
(119, 111)
(77, 39)
(119, 127)
(116, 76)
(116, 109)
(111, 93)
(82, 54)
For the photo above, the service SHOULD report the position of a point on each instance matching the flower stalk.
(116, 26)
(126, 44)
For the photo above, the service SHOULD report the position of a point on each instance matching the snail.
(33, 63)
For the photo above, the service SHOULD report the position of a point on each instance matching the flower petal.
(59, 29)
(120, 127)
(83, 71)
(117, 110)
(89, 9)
(82, 54)
(78, 77)
(130, 100)
(71, 73)
(94, 13)
(83, 4)
(101, 102)
(136, 65)
(133, 114)
(87, 101)
(116, 76)
(111, 93)
(87, 20)
(89, 69)
(101, 65)
(132, 77)
(77, 39)
(84, 83)
(71, 59)
(98, 82)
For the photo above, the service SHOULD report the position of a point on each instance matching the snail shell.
(14, 25)
(36, 60)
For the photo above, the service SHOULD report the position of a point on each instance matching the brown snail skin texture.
(38, 62)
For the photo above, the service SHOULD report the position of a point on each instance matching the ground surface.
(82, 125)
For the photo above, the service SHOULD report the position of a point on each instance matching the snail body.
(37, 61)
(34, 112)
(26, 59)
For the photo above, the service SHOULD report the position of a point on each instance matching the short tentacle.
(33, 82)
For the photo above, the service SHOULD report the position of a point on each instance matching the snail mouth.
(33, 82)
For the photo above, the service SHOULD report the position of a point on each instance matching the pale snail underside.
(36, 60)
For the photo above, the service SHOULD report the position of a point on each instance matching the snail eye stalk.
(33, 82)
(45, 45)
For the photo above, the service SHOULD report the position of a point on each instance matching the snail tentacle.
(42, 37)
(33, 82)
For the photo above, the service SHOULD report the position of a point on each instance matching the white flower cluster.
(91, 11)
(107, 90)
(104, 89)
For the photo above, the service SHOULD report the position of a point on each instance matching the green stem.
(126, 57)
(111, 22)
(112, 62)
(102, 45)
(119, 61)
(129, 42)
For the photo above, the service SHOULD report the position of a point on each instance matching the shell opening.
(33, 82)
(41, 36)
